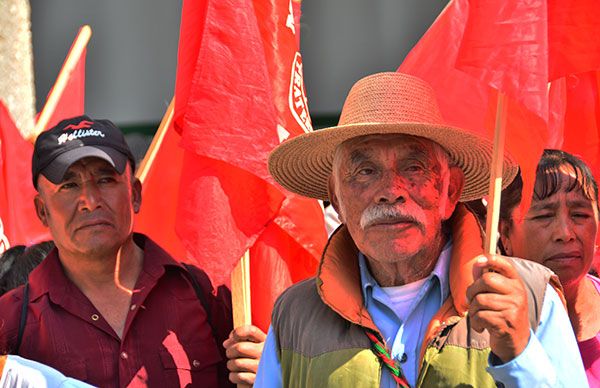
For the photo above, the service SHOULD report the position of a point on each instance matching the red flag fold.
(239, 92)
(72, 99)
(18, 221)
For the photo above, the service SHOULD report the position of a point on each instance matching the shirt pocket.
(195, 364)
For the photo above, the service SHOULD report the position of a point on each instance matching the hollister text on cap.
(77, 138)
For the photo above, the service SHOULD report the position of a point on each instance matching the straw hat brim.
(303, 164)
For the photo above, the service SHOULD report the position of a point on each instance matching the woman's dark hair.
(17, 262)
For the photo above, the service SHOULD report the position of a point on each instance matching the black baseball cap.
(74, 139)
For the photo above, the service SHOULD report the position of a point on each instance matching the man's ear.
(455, 188)
(40, 209)
(136, 195)
(504, 237)
(333, 199)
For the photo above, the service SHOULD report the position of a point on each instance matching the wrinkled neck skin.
(408, 270)
(583, 304)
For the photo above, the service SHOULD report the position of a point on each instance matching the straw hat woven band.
(385, 103)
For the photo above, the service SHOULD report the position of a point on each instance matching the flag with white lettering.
(239, 93)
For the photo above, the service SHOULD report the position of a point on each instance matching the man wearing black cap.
(109, 306)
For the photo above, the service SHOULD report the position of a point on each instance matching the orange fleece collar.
(338, 278)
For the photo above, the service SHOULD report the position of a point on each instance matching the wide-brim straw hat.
(385, 103)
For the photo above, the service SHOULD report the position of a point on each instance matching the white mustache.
(385, 213)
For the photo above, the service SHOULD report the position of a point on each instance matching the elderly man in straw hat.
(403, 295)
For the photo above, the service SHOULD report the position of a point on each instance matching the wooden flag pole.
(240, 292)
(165, 123)
(495, 189)
(79, 45)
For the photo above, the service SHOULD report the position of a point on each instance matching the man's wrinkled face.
(558, 232)
(91, 210)
(393, 192)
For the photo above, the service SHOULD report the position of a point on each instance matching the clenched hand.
(498, 304)
(243, 349)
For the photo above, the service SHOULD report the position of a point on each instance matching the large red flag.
(576, 117)
(71, 100)
(467, 95)
(160, 193)
(574, 36)
(289, 248)
(18, 222)
(239, 93)
(476, 48)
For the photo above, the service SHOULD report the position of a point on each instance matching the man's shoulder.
(11, 299)
(194, 270)
(299, 297)
(152, 249)
(11, 304)
(304, 289)
(159, 257)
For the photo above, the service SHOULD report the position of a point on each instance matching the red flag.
(160, 192)
(519, 47)
(72, 100)
(573, 37)
(227, 126)
(475, 48)
(291, 246)
(576, 128)
(239, 92)
(18, 222)
(488, 52)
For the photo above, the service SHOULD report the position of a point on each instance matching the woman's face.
(558, 232)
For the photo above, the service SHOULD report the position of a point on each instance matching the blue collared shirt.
(405, 338)
(551, 358)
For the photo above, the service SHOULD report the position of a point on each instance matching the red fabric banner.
(160, 193)
(573, 36)
(489, 56)
(72, 100)
(18, 222)
(239, 93)
(576, 127)
(476, 48)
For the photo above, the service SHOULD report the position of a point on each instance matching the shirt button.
(133, 306)
(196, 363)
(124, 355)
(95, 317)
(403, 358)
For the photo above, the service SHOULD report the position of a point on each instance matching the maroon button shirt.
(167, 340)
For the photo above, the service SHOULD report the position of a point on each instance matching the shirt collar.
(49, 276)
(440, 271)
